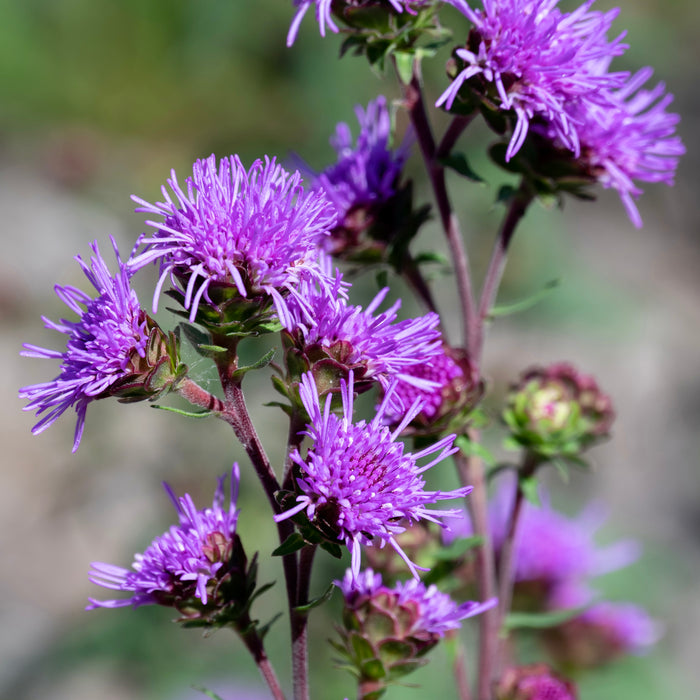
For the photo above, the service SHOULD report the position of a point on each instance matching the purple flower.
(627, 625)
(104, 345)
(324, 11)
(630, 137)
(256, 231)
(534, 682)
(431, 612)
(366, 173)
(538, 60)
(375, 345)
(356, 479)
(187, 562)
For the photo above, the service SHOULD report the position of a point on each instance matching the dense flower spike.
(343, 337)
(256, 231)
(186, 566)
(324, 12)
(630, 137)
(357, 482)
(537, 60)
(603, 632)
(556, 410)
(105, 345)
(535, 682)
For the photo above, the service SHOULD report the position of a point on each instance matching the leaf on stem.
(524, 304)
(475, 449)
(315, 602)
(292, 544)
(459, 163)
(541, 620)
(187, 414)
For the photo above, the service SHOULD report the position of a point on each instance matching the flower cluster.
(256, 233)
(356, 482)
(106, 345)
(190, 566)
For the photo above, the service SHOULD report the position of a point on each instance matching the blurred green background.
(100, 100)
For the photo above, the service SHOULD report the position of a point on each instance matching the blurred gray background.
(99, 100)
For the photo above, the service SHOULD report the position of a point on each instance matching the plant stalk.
(299, 622)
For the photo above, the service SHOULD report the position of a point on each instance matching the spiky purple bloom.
(185, 562)
(324, 12)
(434, 612)
(110, 332)
(376, 345)
(630, 137)
(356, 478)
(257, 230)
(539, 61)
(367, 172)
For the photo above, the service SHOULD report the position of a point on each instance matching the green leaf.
(527, 303)
(207, 350)
(539, 621)
(404, 65)
(264, 361)
(332, 548)
(316, 601)
(382, 278)
(187, 414)
(529, 487)
(262, 631)
(505, 194)
(459, 163)
(208, 693)
(458, 548)
(430, 257)
(361, 648)
(292, 544)
(373, 669)
(475, 449)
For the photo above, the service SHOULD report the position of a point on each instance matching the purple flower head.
(357, 481)
(256, 231)
(324, 12)
(187, 562)
(367, 172)
(603, 632)
(455, 388)
(433, 613)
(535, 682)
(538, 60)
(375, 345)
(630, 137)
(553, 549)
(105, 345)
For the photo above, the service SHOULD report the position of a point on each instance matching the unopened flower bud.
(556, 411)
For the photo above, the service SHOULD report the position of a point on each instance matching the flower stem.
(471, 471)
(299, 622)
(419, 119)
(255, 645)
(459, 669)
(506, 564)
(518, 206)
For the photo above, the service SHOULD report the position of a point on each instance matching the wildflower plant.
(253, 250)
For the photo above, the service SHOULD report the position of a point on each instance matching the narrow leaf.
(524, 304)
(522, 620)
(316, 601)
(458, 548)
(292, 544)
(404, 65)
(187, 414)
(475, 449)
(459, 163)
(264, 361)
(529, 487)
(208, 693)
